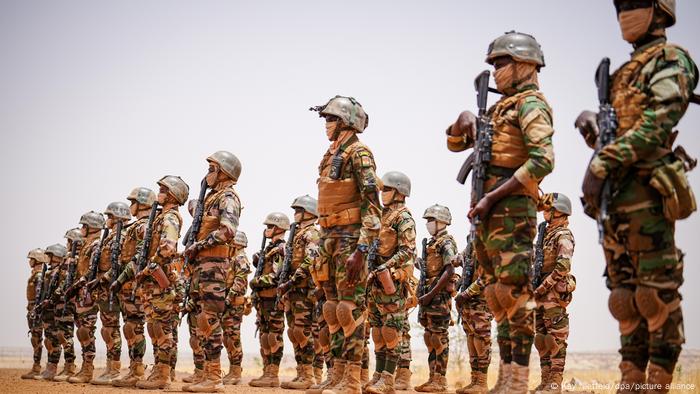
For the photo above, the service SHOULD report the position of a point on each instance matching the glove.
(353, 266)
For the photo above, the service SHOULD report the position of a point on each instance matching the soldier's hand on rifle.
(540, 291)
(192, 250)
(256, 257)
(457, 260)
(91, 284)
(592, 186)
(426, 299)
(482, 208)
(354, 265)
(284, 288)
(461, 298)
(465, 124)
(587, 125)
(115, 287)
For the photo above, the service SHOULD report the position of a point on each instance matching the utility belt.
(219, 251)
(341, 218)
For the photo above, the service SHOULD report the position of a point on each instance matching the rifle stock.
(145, 246)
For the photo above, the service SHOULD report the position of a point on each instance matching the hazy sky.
(99, 97)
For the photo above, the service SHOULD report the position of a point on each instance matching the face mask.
(432, 227)
(331, 130)
(504, 77)
(513, 75)
(162, 197)
(635, 23)
(387, 197)
(109, 222)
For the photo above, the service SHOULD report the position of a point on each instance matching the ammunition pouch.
(671, 181)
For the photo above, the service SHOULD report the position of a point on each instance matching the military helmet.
(240, 239)
(399, 181)
(119, 210)
(142, 195)
(74, 235)
(561, 203)
(57, 250)
(307, 203)
(228, 162)
(439, 213)
(668, 7)
(519, 46)
(176, 186)
(348, 110)
(277, 219)
(93, 220)
(39, 255)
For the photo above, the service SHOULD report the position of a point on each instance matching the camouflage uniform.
(195, 342)
(650, 95)
(52, 340)
(237, 284)
(36, 332)
(321, 335)
(64, 312)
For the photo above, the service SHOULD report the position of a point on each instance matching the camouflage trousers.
(134, 319)
(195, 342)
(387, 320)
(66, 330)
(435, 318)
(211, 305)
(348, 338)
(86, 324)
(176, 341)
(109, 316)
(51, 336)
(643, 263)
(404, 348)
(298, 311)
(551, 333)
(476, 322)
(271, 327)
(365, 348)
(36, 337)
(322, 341)
(504, 248)
(159, 308)
(232, 320)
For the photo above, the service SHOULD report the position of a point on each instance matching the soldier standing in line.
(436, 298)
(389, 280)
(505, 217)
(299, 305)
(37, 259)
(270, 317)
(211, 255)
(56, 254)
(350, 220)
(649, 95)
(142, 200)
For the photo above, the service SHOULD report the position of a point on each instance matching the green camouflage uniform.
(522, 148)
(85, 307)
(109, 316)
(36, 332)
(476, 321)
(270, 319)
(650, 95)
(436, 316)
(195, 342)
(319, 330)
(52, 340)
(237, 284)
(387, 312)
(64, 321)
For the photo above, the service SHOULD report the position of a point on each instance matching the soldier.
(211, 254)
(37, 259)
(116, 212)
(553, 294)
(64, 310)
(388, 284)
(436, 297)
(56, 254)
(403, 373)
(132, 311)
(350, 219)
(85, 308)
(296, 290)
(650, 95)
(237, 285)
(522, 155)
(270, 318)
(476, 322)
(322, 342)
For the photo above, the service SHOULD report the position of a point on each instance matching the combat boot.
(544, 379)
(212, 382)
(270, 379)
(67, 372)
(518, 379)
(631, 377)
(136, 373)
(504, 372)
(553, 385)
(110, 373)
(375, 378)
(285, 384)
(384, 385)
(306, 378)
(403, 379)
(196, 376)
(48, 373)
(335, 375)
(476, 386)
(234, 375)
(36, 370)
(318, 375)
(255, 381)
(438, 385)
(350, 383)
(431, 378)
(84, 375)
(657, 376)
(158, 379)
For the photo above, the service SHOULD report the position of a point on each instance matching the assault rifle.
(38, 296)
(467, 266)
(287, 263)
(70, 275)
(372, 255)
(539, 255)
(258, 272)
(192, 238)
(422, 261)
(94, 264)
(114, 257)
(145, 246)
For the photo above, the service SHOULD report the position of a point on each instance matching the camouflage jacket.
(273, 257)
(222, 207)
(397, 248)
(31, 287)
(304, 253)
(558, 250)
(237, 275)
(441, 249)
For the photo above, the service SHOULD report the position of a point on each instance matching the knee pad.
(480, 346)
(623, 309)
(195, 345)
(540, 345)
(329, 315)
(83, 335)
(494, 305)
(391, 337)
(130, 331)
(551, 344)
(345, 318)
(377, 338)
(229, 343)
(203, 326)
(324, 339)
(49, 345)
(435, 339)
(428, 341)
(274, 342)
(653, 308)
(300, 337)
(106, 333)
(264, 344)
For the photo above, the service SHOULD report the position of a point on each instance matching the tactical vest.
(131, 239)
(338, 199)
(551, 247)
(435, 264)
(271, 251)
(210, 223)
(83, 264)
(105, 262)
(158, 229)
(299, 250)
(388, 235)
